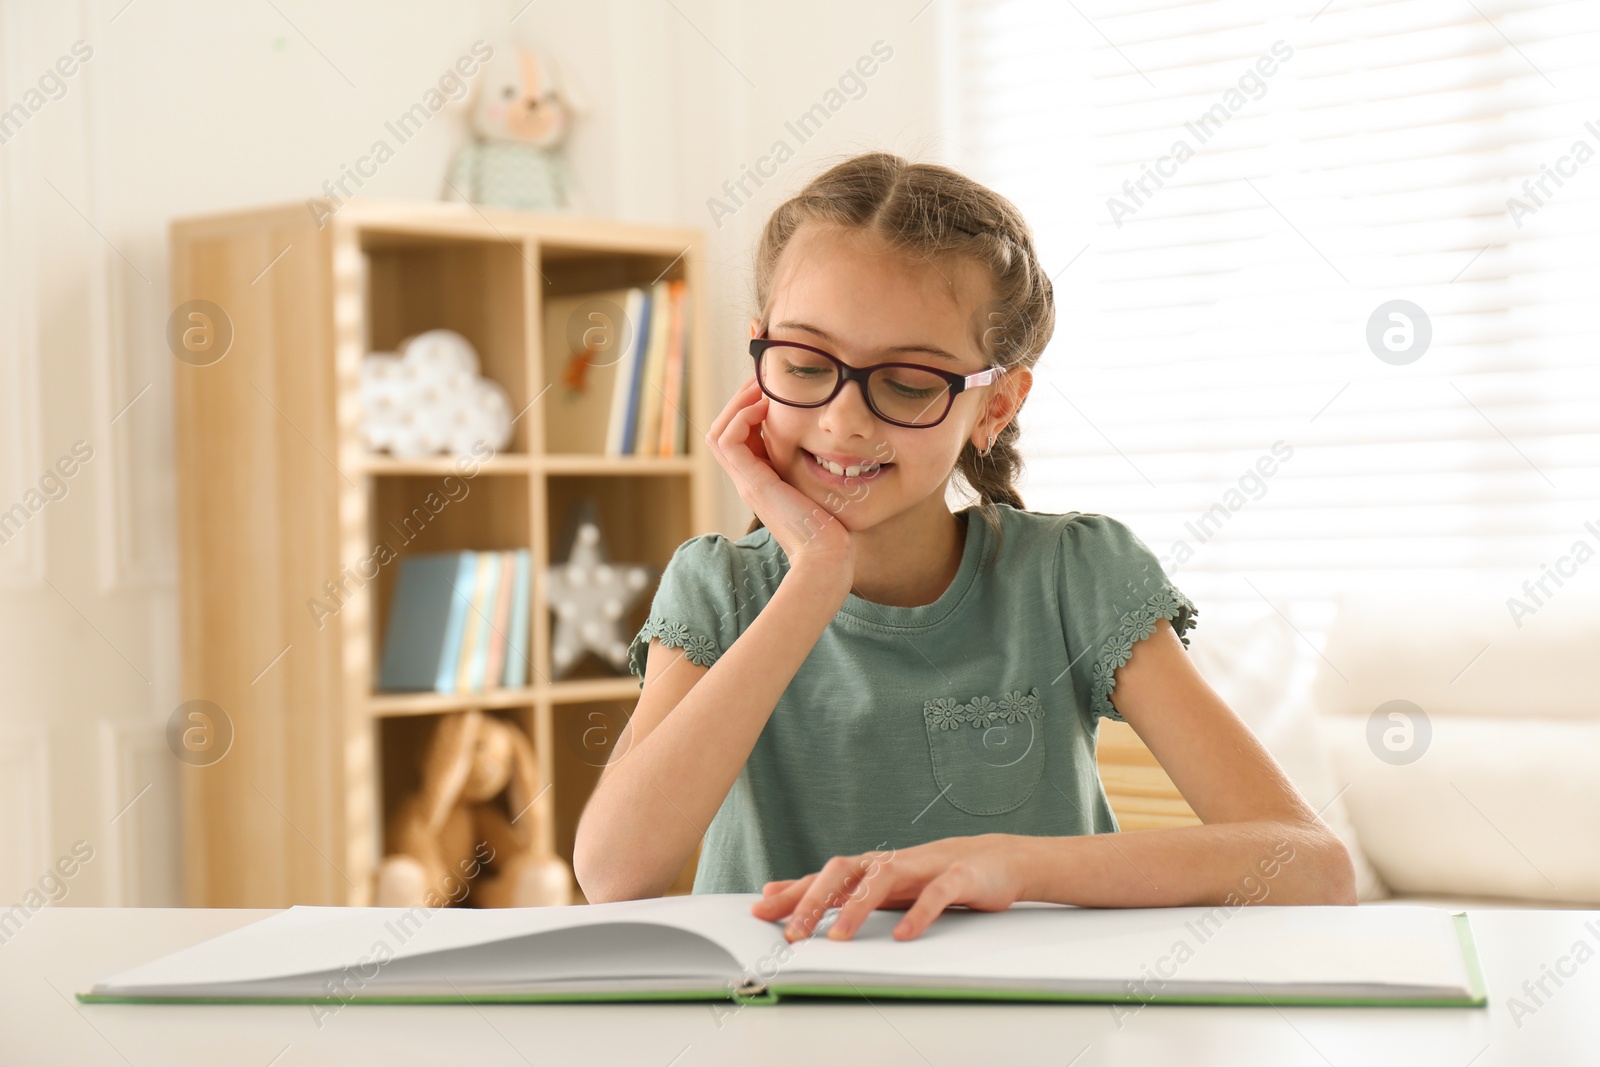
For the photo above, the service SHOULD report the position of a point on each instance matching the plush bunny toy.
(453, 829)
(519, 118)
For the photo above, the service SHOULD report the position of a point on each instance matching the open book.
(709, 947)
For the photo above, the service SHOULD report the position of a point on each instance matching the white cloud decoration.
(430, 398)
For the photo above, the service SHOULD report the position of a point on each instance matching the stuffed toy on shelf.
(521, 113)
(453, 841)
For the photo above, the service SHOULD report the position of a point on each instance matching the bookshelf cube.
(281, 508)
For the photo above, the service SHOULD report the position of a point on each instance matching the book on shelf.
(674, 439)
(460, 604)
(709, 947)
(653, 376)
(517, 664)
(671, 396)
(422, 618)
(495, 668)
(458, 623)
(483, 607)
(585, 353)
(641, 313)
(475, 629)
(622, 388)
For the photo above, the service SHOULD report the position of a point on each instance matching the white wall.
(188, 107)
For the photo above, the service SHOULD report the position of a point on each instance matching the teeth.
(846, 472)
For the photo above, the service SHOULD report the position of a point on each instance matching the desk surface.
(60, 951)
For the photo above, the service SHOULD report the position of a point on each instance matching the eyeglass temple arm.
(973, 381)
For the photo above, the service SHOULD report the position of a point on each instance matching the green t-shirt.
(974, 714)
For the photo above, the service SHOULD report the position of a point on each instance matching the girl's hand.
(803, 528)
(981, 872)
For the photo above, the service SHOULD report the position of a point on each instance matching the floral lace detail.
(1137, 624)
(981, 712)
(942, 714)
(1013, 706)
(698, 650)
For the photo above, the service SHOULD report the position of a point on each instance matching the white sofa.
(1484, 790)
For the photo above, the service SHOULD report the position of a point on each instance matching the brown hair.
(933, 212)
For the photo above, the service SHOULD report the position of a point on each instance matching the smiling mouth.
(865, 470)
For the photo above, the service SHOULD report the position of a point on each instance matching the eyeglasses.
(903, 394)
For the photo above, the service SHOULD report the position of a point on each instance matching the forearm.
(1220, 863)
(643, 822)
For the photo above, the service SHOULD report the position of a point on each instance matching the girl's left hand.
(981, 872)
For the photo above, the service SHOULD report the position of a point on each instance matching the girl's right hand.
(808, 534)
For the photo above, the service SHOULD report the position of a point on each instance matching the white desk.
(60, 951)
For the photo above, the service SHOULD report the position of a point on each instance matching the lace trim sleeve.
(697, 649)
(1169, 604)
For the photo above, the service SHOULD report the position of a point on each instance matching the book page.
(1163, 947)
(307, 940)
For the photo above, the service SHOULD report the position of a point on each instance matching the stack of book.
(458, 623)
(623, 381)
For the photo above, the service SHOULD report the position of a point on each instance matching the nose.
(848, 413)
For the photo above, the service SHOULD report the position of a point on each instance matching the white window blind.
(1201, 320)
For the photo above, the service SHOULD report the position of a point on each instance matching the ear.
(573, 96)
(755, 328)
(1005, 400)
(449, 761)
(529, 72)
(526, 781)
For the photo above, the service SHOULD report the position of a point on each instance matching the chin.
(853, 516)
(861, 513)
(842, 508)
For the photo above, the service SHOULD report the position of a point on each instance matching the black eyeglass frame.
(860, 375)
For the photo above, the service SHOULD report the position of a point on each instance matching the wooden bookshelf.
(277, 496)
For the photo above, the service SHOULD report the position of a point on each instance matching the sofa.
(1453, 744)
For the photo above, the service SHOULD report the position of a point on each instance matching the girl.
(870, 702)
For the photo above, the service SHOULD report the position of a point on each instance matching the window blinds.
(1225, 195)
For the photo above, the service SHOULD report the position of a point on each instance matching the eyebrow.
(932, 350)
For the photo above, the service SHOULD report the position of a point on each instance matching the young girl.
(870, 702)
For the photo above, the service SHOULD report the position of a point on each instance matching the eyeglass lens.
(904, 394)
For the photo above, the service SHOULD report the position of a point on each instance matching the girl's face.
(854, 296)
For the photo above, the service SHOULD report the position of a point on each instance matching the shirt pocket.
(987, 754)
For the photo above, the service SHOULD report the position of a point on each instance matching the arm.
(1261, 843)
(1260, 840)
(688, 739)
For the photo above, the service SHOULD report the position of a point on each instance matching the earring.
(986, 451)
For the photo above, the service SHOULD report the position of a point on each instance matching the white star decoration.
(590, 597)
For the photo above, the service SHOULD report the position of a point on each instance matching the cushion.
(1485, 811)
(1468, 730)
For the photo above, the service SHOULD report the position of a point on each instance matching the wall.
(187, 108)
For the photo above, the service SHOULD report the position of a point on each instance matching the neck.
(911, 559)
